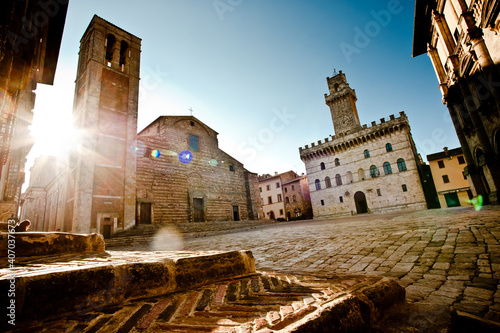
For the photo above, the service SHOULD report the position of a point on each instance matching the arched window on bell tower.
(124, 53)
(110, 46)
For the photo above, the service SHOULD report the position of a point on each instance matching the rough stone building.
(362, 169)
(30, 37)
(297, 199)
(102, 190)
(449, 178)
(461, 39)
(44, 201)
(271, 194)
(183, 176)
(33, 201)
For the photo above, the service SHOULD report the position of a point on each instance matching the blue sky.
(255, 71)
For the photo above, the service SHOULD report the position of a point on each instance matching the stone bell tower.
(342, 103)
(103, 168)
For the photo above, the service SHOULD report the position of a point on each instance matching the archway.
(360, 201)
(271, 215)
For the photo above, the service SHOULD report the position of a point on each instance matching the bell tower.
(103, 167)
(342, 103)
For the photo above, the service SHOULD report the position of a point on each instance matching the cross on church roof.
(191, 110)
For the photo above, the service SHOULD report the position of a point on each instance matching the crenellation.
(363, 169)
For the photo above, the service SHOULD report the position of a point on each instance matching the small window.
(286, 189)
(446, 179)
(269, 200)
(338, 179)
(373, 171)
(231, 167)
(281, 211)
(441, 164)
(278, 185)
(279, 198)
(404, 188)
(401, 165)
(378, 192)
(328, 182)
(341, 199)
(322, 202)
(387, 168)
(262, 201)
(147, 152)
(317, 183)
(287, 200)
(367, 153)
(193, 143)
(260, 189)
(322, 166)
(388, 147)
(293, 187)
(337, 162)
(294, 198)
(268, 187)
(461, 160)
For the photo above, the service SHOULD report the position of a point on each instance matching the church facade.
(183, 175)
(362, 169)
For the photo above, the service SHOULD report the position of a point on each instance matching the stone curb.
(48, 292)
(28, 244)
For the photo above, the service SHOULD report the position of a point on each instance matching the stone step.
(264, 302)
(48, 285)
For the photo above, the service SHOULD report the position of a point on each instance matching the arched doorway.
(360, 201)
(271, 215)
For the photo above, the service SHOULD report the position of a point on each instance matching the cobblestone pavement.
(444, 258)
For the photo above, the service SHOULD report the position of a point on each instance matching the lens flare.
(185, 156)
(477, 202)
(213, 162)
(169, 153)
(167, 239)
(139, 148)
(155, 153)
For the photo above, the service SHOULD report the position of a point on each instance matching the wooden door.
(199, 212)
(145, 213)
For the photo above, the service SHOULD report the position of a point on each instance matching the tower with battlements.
(362, 169)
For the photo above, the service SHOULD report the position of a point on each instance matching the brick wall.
(212, 177)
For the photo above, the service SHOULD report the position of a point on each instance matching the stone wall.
(209, 176)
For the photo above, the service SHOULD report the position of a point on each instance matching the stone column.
(491, 169)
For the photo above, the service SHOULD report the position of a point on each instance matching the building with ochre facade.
(362, 169)
(447, 169)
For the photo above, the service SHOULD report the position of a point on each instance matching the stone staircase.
(143, 234)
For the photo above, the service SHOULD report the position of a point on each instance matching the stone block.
(29, 244)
